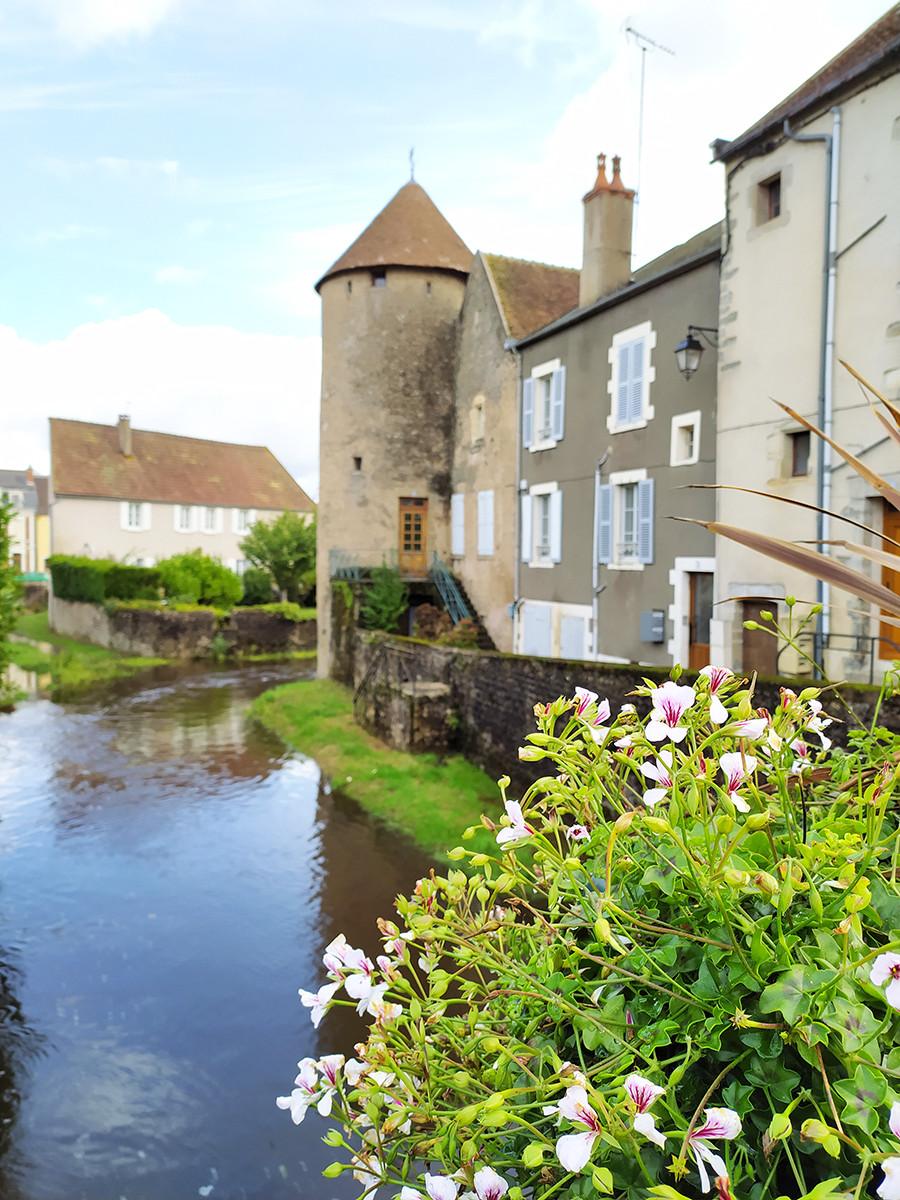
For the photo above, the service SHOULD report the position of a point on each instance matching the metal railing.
(863, 646)
(448, 590)
(358, 564)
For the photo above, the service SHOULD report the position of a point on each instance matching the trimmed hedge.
(97, 579)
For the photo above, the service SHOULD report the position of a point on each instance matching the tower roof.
(410, 231)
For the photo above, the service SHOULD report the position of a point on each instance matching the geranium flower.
(488, 1186)
(583, 700)
(661, 773)
(753, 728)
(574, 1149)
(889, 1188)
(716, 676)
(318, 1002)
(379, 1008)
(642, 1093)
(360, 982)
(440, 1187)
(330, 1066)
(722, 1124)
(517, 830)
(670, 702)
(817, 723)
(886, 970)
(578, 833)
(736, 768)
(354, 1071)
(801, 762)
(306, 1087)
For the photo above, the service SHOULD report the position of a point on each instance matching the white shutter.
(527, 412)
(556, 526)
(645, 520)
(558, 403)
(571, 637)
(486, 523)
(123, 513)
(604, 523)
(525, 527)
(636, 382)
(145, 515)
(458, 524)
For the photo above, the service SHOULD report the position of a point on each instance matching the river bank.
(430, 800)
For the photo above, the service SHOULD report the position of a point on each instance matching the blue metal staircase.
(449, 591)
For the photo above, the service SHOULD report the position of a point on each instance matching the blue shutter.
(556, 526)
(636, 382)
(620, 417)
(604, 523)
(525, 527)
(558, 403)
(645, 520)
(527, 412)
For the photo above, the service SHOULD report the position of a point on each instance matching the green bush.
(197, 578)
(258, 587)
(286, 609)
(680, 964)
(94, 580)
(384, 601)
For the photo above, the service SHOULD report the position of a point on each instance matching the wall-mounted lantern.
(689, 351)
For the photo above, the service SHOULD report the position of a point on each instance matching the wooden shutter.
(636, 382)
(558, 403)
(486, 523)
(525, 527)
(458, 524)
(527, 412)
(604, 523)
(645, 520)
(556, 526)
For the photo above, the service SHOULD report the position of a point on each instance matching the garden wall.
(492, 696)
(155, 633)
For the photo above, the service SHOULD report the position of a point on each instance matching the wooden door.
(759, 650)
(889, 646)
(413, 536)
(701, 601)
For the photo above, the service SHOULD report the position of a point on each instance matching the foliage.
(94, 580)
(384, 601)
(463, 635)
(678, 963)
(219, 648)
(258, 587)
(286, 549)
(430, 622)
(71, 665)
(10, 598)
(197, 578)
(286, 609)
(423, 797)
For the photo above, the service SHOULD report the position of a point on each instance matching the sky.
(178, 173)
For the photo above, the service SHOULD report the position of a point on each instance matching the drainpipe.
(596, 589)
(510, 344)
(832, 142)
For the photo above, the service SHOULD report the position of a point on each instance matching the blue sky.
(178, 172)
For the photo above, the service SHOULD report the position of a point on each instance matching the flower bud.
(765, 614)
(758, 820)
(790, 601)
(478, 860)
(333, 1138)
(483, 894)
(333, 1170)
(530, 754)
(467, 1115)
(751, 625)
(810, 693)
(657, 824)
(623, 822)
(456, 853)
(766, 883)
(735, 878)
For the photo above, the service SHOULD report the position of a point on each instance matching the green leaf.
(667, 1193)
(603, 1180)
(855, 1022)
(828, 1189)
(792, 993)
(863, 1096)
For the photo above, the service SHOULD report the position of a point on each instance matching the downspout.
(832, 142)
(596, 589)
(510, 345)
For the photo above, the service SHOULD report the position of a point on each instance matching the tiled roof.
(86, 461)
(531, 294)
(878, 48)
(410, 231)
(700, 243)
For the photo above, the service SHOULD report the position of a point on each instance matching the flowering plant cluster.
(678, 971)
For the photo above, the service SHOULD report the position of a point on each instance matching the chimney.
(124, 428)
(606, 257)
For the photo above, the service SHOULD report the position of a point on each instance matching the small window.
(427, 287)
(243, 520)
(685, 443)
(357, 463)
(800, 443)
(210, 519)
(626, 549)
(542, 527)
(770, 199)
(349, 286)
(183, 518)
(379, 279)
(135, 515)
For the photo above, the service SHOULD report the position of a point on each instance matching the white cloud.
(203, 380)
(89, 22)
(177, 274)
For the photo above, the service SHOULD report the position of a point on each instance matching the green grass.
(73, 665)
(278, 656)
(431, 800)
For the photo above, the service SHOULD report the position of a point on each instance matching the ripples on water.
(168, 878)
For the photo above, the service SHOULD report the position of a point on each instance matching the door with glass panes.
(413, 535)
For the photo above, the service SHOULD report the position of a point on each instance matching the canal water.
(168, 879)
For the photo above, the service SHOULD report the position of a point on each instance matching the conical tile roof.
(410, 231)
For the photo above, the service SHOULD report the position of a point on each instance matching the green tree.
(10, 596)
(196, 578)
(385, 601)
(286, 548)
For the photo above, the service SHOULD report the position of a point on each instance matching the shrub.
(93, 580)
(680, 964)
(430, 622)
(197, 578)
(385, 600)
(286, 549)
(10, 599)
(287, 609)
(463, 635)
(258, 587)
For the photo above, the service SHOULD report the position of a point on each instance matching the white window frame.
(544, 371)
(536, 560)
(643, 332)
(202, 511)
(619, 479)
(485, 531)
(143, 515)
(679, 611)
(177, 511)
(684, 421)
(458, 524)
(236, 525)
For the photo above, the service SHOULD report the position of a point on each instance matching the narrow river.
(168, 878)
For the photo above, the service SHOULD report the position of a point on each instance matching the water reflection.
(169, 877)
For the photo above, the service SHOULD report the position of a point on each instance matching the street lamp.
(689, 351)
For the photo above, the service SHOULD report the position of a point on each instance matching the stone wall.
(155, 633)
(492, 696)
(35, 596)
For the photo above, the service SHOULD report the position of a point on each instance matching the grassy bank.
(429, 800)
(71, 665)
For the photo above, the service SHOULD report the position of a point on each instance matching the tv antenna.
(412, 164)
(644, 43)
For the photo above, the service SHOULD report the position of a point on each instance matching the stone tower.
(390, 310)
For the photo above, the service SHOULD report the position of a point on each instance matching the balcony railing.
(358, 564)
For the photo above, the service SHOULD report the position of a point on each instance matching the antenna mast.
(644, 43)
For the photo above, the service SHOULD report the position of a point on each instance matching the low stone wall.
(161, 633)
(35, 596)
(491, 696)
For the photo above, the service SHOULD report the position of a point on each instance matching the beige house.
(809, 276)
(138, 496)
(27, 493)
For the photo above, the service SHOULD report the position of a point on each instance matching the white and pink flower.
(889, 1188)
(716, 676)
(488, 1186)
(818, 723)
(578, 833)
(306, 1089)
(670, 702)
(661, 774)
(642, 1094)
(574, 1149)
(330, 1067)
(737, 769)
(752, 728)
(318, 1002)
(583, 700)
(886, 970)
(517, 830)
(720, 1124)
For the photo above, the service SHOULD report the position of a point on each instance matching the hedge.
(97, 579)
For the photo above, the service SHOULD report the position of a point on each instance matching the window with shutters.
(485, 524)
(135, 515)
(541, 525)
(458, 524)
(624, 521)
(630, 378)
(544, 406)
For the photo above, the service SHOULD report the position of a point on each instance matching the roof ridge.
(185, 437)
(531, 262)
